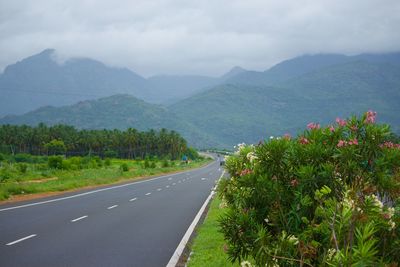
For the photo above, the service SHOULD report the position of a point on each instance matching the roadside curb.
(179, 254)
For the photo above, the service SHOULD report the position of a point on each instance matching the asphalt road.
(134, 224)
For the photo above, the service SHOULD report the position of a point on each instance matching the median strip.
(20, 240)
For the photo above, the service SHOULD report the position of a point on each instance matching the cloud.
(208, 37)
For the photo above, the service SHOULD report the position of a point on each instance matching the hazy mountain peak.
(233, 72)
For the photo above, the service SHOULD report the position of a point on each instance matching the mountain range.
(40, 80)
(240, 106)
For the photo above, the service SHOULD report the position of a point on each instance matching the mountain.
(286, 98)
(114, 112)
(232, 73)
(172, 88)
(39, 80)
(118, 111)
(301, 65)
(235, 113)
(169, 89)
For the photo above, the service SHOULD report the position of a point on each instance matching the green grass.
(34, 180)
(208, 245)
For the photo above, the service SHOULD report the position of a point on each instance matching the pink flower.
(390, 145)
(245, 172)
(353, 128)
(353, 142)
(303, 141)
(341, 122)
(287, 136)
(371, 117)
(341, 143)
(313, 126)
(332, 129)
(294, 182)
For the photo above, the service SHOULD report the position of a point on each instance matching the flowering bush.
(330, 197)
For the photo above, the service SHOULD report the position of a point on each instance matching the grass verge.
(208, 245)
(53, 180)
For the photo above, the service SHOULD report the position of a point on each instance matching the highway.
(132, 224)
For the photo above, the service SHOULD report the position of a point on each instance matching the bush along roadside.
(56, 173)
(329, 197)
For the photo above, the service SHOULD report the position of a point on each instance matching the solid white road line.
(101, 190)
(132, 199)
(147, 194)
(179, 250)
(112, 207)
(20, 240)
(78, 219)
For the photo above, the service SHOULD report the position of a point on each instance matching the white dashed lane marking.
(20, 240)
(132, 199)
(112, 207)
(147, 194)
(78, 219)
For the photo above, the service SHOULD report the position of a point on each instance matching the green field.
(30, 178)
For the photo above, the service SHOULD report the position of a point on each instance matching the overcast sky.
(184, 37)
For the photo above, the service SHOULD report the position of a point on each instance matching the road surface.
(134, 224)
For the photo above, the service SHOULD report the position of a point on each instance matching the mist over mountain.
(40, 80)
(298, 66)
(245, 106)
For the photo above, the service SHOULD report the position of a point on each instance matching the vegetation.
(280, 100)
(66, 140)
(42, 174)
(330, 197)
(60, 157)
(209, 246)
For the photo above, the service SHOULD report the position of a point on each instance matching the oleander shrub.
(329, 197)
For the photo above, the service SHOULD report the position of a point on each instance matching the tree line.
(67, 140)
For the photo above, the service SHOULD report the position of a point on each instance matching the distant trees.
(64, 139)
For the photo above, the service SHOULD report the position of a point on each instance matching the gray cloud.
(209, 37)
